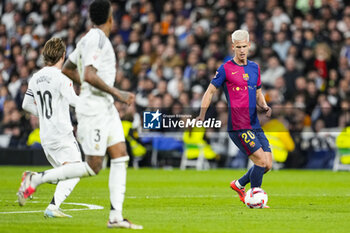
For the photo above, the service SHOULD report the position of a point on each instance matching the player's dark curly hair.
(99, 11)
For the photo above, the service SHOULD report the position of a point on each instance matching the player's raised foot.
(55, 213)
(25, 190)
(240, 192)
(124, 224)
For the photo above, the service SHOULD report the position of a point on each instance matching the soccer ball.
(256, 198)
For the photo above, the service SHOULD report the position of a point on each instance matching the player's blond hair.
(53, 51)
(240, 35)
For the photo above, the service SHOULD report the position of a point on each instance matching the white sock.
(68, 171)
(63, 189)
(238, 185)
(117, 181)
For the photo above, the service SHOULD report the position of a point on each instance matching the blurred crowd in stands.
(168, 51)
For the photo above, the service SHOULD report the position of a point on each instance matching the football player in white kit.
(49, 95)
(93, 65)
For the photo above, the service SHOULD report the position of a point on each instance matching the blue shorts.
(250, 140)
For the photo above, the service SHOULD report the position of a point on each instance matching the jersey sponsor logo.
(240, 88)
(246, 77)
(97, 147)
(216, 74)
(152, 120)
(234, 72)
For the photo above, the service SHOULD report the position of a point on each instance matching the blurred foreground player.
(49, 95)
(240, 79)
(93, 65)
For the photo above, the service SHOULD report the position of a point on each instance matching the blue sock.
(246, 178)
(256, 176)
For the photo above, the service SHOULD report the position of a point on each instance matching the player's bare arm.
(91, 77)
(206, 100)
(125, 96)
(261, 102)
(70, 70)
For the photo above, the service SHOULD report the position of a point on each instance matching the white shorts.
(66, 150)
(98, 132)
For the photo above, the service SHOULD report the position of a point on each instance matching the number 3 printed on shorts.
(97, 136)
(248, 136)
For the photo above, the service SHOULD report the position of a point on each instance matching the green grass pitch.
(187, 201)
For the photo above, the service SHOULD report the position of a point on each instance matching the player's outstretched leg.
(239, 185)
(257, 171)
(117, 186)
(117, 183)
(239, 189)
(55, 213)
(30, 180)
(256, 176)
(261, 164)
(124, 224)
(25, 190)
(63, 190)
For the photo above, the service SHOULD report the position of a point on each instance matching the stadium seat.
(5, 140)
(163, 143)
(342, 160)
(200, 163)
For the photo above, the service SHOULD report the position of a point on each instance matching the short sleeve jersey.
(94, 49)
(240, 84)
(53, 92)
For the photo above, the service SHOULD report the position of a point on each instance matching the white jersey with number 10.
(52, 92)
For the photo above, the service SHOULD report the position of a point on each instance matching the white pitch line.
(23, 212)
(229, 196)
(89, 207)
(97, 207)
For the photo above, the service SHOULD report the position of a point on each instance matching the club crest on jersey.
(246, 77)
(252, 144)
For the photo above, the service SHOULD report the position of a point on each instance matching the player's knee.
(123, 151)
(268, 165)
(117, 150)
(260, 162)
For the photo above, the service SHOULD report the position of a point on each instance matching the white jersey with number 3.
(94, 49)
(49, 95)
